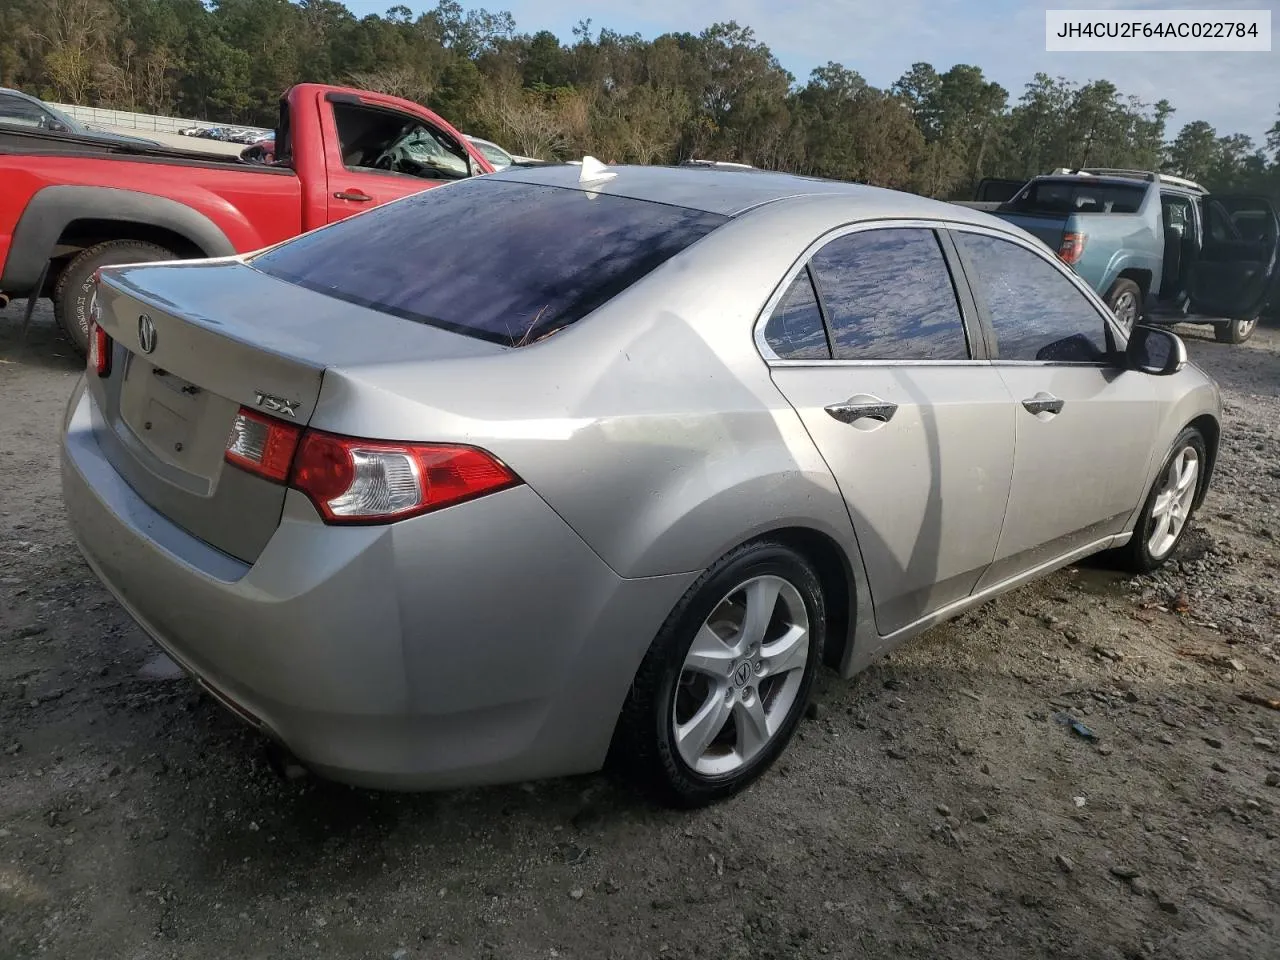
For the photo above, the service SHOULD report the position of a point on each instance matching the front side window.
(888, 296)
(372, 139)
(1036, 312)
(498, 260)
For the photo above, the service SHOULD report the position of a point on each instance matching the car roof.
(24, 96)
(730, 192)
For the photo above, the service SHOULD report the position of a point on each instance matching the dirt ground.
(933, 808)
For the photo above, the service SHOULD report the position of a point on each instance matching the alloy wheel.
(1172, 507)
(741, 677)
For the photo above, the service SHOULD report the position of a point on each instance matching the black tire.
(1234, 331)
(1127, 296)
(644, 752)
(1136, 556)
(75, 283)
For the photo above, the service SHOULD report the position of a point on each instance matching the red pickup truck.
(69, 205)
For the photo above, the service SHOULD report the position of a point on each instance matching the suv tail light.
(99, 360)
(1072, 248)
(350, 480)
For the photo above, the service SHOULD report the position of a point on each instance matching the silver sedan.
(574, 466)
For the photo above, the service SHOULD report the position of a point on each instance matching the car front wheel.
(720, 692)
(1170, 505)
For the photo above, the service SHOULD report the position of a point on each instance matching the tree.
(1194, 151)
(719, 93)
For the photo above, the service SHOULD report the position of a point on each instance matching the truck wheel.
(1125, 300)
(75, 284)
(1234, 331)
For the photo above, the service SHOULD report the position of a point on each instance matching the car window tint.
(889, 296)
(1076, 196)
(1036, 312)
(16, 111)
(503, 261)
(795, 330)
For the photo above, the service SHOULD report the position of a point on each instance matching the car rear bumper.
(483, 643)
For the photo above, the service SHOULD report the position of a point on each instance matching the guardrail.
(101, 116)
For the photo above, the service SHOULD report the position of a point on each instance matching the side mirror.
(1155, 350)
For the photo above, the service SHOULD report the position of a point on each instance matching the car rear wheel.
(1170, 505)
(720, 692)
(1234, 331)
(72, 293)
(1125, 300)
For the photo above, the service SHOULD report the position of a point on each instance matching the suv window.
(373, 139)
(1036, 312)
(889, 296)
(1075, 196)
(502, 261)
(795, 330)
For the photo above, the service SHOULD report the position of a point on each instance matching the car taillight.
(99, 360)
(372, 481)
(1072, 248)
(262, 445)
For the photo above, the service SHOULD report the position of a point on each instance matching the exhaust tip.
(4, 300)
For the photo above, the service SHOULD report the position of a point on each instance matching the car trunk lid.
(195, 342)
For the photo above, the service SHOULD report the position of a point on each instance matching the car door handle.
(356, 195)
(863, 408)
(1043, 403)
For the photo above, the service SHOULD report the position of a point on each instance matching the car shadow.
(44, 347)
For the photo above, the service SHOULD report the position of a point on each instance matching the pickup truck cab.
(72, 204)
(1157, 247)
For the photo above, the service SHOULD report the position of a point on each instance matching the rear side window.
(1073, 196)
(498, 260)
(889, 296)
(795, 330)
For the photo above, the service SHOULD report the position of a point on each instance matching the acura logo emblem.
(146, 333)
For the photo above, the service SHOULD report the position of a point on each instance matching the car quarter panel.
(652, 426)
(378, 653)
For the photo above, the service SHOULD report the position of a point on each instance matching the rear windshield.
(1074, 196)
(506, 262)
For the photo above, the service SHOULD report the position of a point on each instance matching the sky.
(1235, 92)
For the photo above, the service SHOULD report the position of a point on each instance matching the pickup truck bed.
(70, 205)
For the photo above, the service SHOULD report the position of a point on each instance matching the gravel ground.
(932, 808)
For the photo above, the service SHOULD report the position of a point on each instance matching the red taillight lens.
(99, 360)
(1072, 248)
(371, 481)
(262, 445)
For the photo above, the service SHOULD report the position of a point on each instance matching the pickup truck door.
(377, 152)
(1234, 275)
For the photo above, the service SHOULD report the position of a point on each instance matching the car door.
(869, 343)
(384, 154)
(1234, 274)
(1084, 425)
